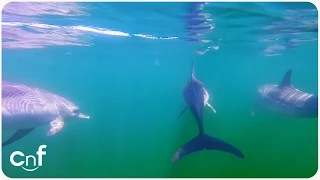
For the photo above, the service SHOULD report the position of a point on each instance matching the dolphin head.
(76, 113)
(69, 109)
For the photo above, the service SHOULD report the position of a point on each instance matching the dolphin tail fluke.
(17, 135)
(200, 143)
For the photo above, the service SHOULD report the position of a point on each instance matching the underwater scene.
(159, 90)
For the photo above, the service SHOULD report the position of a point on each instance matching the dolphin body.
(25, 108)
(287, 100)
(196, 98)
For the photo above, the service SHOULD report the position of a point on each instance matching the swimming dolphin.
(196, 98)
(25, 108)
(285, 99)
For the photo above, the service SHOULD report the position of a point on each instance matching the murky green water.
(132, 89)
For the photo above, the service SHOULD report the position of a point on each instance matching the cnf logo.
(37, 161)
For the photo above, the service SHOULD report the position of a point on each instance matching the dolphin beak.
(83, 116)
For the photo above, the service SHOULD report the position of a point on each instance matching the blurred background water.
(125, 65)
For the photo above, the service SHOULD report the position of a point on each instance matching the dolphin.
(196, 97)
(284, 99)
(24, 108)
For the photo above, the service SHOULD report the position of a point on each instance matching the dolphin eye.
(75, 111)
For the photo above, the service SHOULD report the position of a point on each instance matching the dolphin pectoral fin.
(202, 142)
(185, 108)
(17, 135)
(214, 111)
(55, 126)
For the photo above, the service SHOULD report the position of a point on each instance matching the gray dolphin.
(196, 98)
(25, 108)
(285, 99)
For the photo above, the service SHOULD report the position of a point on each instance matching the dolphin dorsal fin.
(192, 71)
(286, 80)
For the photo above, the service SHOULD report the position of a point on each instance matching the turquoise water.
(125, 65)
